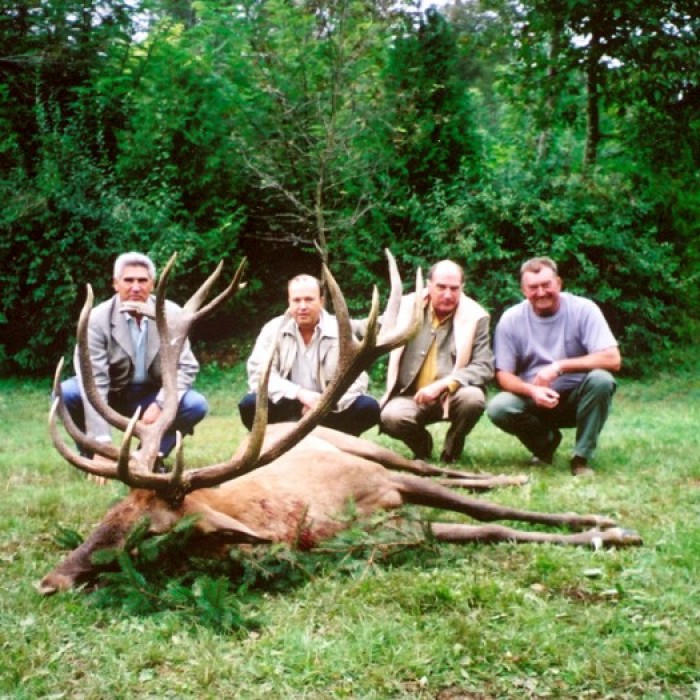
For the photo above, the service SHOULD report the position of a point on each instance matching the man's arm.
(540, 390)
(479, 370)
(278, 387)
(543, 396)
(608, 359)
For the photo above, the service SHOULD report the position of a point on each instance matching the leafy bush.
(603, 236)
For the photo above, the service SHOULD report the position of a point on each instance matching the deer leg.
(424, 492)
(484, 483)
(386, 457)
(489, 534)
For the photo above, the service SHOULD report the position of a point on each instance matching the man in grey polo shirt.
(554, 354)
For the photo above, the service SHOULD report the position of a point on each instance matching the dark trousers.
(360, 415)
(586, 408)
(192, 408)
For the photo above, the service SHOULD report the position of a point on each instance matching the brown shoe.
(579, 466)
(447, 458)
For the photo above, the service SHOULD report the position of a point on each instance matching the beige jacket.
(464, 349)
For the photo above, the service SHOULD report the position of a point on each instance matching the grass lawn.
(449, 622)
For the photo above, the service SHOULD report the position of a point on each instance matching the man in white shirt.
(305, 341)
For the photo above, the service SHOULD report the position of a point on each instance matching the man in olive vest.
(441, 374)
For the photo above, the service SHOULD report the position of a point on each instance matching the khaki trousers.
(402, 418)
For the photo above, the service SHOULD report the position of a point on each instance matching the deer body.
(303, 498)
(288, 483)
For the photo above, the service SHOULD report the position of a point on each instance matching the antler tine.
(83, 441)
(123, 473)
(387, 340)
(396, 292)
(89, 466)
(198, 297)
(353, 358)
(173, 331)
(249, 460)
(87, 377)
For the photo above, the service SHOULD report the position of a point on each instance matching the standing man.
(305, 341)
(554, 353)
(124, 350)
(441, 374)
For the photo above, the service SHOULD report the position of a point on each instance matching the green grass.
(442, 622)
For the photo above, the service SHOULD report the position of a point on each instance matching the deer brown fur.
(289, 483)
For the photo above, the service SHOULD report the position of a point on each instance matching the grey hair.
(133, 258)
(536, 264)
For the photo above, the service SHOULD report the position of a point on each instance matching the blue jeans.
(360, 415)
(586, 408)
(192, 408)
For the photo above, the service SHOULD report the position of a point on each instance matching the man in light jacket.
(124, 348)
(441, 374)
(305, 341)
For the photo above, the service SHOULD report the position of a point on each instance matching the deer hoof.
(616, 537)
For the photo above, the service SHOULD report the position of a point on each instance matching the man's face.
(305, 303)
(542, 290)
(444, 289)
(134, 284)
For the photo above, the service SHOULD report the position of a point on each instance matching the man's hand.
(544, 397)
(431, 393)
(100, 460)
(547, 374)
(151, 414)
(308, 400)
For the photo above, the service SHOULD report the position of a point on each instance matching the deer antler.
(173, 330)
(136, 470)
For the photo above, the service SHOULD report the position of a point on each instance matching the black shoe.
(547, 457)
(447, 458)
(160, 467)
(579, 466)
(422, 445)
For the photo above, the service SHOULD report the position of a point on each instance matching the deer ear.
(212, 522)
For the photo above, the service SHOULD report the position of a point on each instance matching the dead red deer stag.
(285, 483)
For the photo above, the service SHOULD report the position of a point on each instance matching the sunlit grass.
(447, 622)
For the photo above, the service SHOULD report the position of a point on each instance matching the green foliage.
(433, 129)
(61, 230)
(149, 575)
(484, 131)
(149, 579)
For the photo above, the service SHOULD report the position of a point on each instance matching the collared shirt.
(428, 371)
(139, 335)
(305, 368)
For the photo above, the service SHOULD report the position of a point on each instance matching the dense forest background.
(293, 130)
